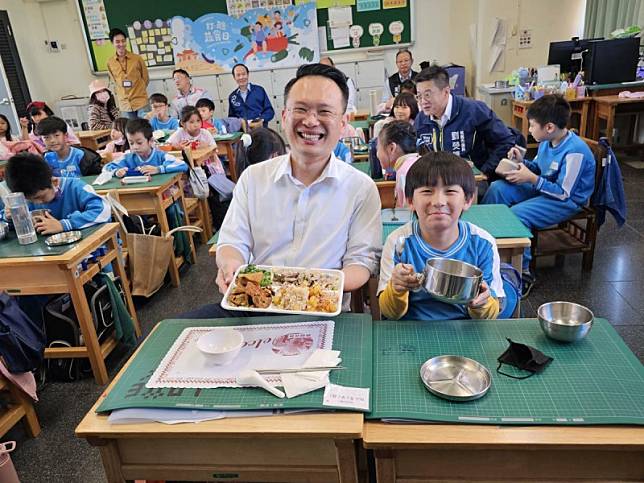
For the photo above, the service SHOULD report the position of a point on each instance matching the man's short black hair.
(434, 73)
(51, 125)
(28, 173)
(232, 71)
(114, 32)
(205, 102)
(321, 70)
(181, 71)
(443, 166)
(143, 126)
(551, 108)
(158, 98)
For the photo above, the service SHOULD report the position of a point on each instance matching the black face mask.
(523, 357)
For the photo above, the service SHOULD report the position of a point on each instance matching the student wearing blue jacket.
(462, 126)
(554, 185)
(143, 156)
(249, 101)
(72, 203)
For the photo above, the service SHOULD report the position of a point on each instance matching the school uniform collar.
(463, 235)
(284, 169)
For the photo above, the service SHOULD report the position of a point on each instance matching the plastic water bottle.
(21, 218)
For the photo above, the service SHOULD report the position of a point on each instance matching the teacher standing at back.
(130, 77)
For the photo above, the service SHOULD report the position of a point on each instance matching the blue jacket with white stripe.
(567, 171)
(472, 132)
(166, 162)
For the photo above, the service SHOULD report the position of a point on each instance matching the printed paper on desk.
(346, 397)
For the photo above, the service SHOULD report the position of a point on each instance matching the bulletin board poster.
(96, 18)
(152, 40)
(260, 38)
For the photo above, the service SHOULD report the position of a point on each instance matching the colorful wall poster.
(328, 3)
(96, 19)
(236, 8)
(260, 38)
(394, 3)
(367, 5)
(152, 40)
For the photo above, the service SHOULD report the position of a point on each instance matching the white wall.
(442, 33)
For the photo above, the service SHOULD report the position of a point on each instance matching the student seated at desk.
(161, 114)
(118, 146)
(65, 160)
(206, 110)
(556, 184)
(192, 136)
(143, 156)
(72, 203)
(397, 152)
(440, 186)
(36, 112)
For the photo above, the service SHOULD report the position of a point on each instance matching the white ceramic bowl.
(506, 166)
(220, 346)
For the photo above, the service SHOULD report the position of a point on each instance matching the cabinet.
(499, 100)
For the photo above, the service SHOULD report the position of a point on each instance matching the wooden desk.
(228, 144)
(579, 106)
(94, 139)
(607, 107)
(449, 452)
(301, 447)
(59, 274)
(152, 199)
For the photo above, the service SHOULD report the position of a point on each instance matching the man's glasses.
(321, 114)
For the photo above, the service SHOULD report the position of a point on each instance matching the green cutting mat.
(594, 381)
(362, 166)
(115, 183)
(10, 248)
(352, 336)
(233, 136)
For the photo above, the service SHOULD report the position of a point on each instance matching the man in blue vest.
(249, 101)
(463, 126)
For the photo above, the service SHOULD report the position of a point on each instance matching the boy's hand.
(48, 225)
(521, 175)
(515, 154)
(120, 172)
(403, 278)
(147, 169)
(481, 298)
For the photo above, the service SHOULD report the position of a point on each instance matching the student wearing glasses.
(462, 126)
(305, 208)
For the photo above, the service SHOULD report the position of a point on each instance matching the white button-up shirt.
(447, 115)
(274, 219)
(190, 99)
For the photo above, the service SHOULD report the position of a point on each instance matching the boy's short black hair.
(114, 32)
(440, 165)
(551, 108)
(205, 102)
(28, 173)
(159, 98)
(321, 70)
(143, 126)
(51, 125)
(434, 73)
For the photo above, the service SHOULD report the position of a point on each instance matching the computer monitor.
(612, 61)
(562, 53)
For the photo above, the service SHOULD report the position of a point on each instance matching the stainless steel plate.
(455, 378)
(63, 238)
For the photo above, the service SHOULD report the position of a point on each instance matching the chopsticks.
(299, 369)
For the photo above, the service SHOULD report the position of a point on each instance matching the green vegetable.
(266, 280)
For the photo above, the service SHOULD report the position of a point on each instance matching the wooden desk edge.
(138, 188)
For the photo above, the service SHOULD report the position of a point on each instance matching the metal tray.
(63, 238)
(455, 378)
(277, 310)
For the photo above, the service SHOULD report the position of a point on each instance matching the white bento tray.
(275, 310)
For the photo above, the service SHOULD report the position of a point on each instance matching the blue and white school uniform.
(474, 246)
(162, 160)
(68, 167)
(171, 124)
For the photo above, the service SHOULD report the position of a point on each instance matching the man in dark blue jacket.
(249, 101)
(465, 127)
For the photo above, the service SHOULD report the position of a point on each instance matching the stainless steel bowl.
(565, 321)
(63, 238)
(4, 230)
(452, 281)
(455, 378)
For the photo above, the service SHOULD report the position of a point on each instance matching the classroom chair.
(18, 406)
(198, 210)
(578, 234)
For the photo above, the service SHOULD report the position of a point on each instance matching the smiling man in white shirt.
(306, 208)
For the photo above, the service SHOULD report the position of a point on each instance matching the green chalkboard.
(121, 13)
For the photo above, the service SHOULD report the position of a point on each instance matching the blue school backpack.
(22, 341)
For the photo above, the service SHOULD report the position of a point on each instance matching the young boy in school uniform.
(556, 184)
(143, 156)
(72, 203)
(65, 160)
(161, 114)
(206, 110)
(439, 187)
